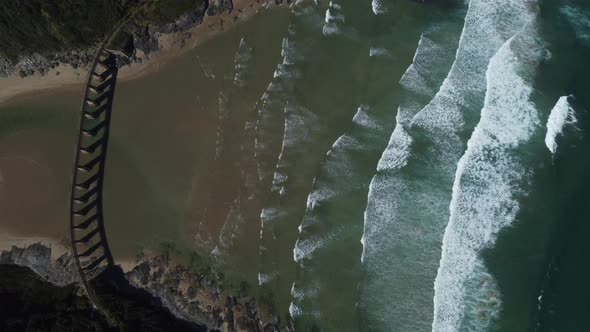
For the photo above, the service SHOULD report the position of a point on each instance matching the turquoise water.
(369, 165)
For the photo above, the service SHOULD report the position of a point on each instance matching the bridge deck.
(89, 243)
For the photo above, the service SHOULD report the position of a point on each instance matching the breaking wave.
(489, 179)
(407, 210)
(561, 115)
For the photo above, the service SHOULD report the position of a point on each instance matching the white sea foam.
(264, 278)
(301, 126)
(397, 152)
(341, 165)
(379, 52)
(331, 29)
(407, 207)
(363, 119)
(488, 178)
(269, 113)
(305, 247)
(242, 60)
(319, 231)
(415, 82)
(333, 15)
(493, 22)
(334, 20)
(335, 5)
(319, 195)
(426, 58)
(310, 221)
(380, 207)
(395, 156)
(286, 72)
(427, 53)
(291, 52)
(273, 106)
(294, 310)
(347, 142)
(269, 215)
(230, 230)
(561, 115)
(299, 293)
(379, 7)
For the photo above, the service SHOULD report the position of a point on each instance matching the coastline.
(198, 297)
(171, 45)
(195, 293)
(58, 247)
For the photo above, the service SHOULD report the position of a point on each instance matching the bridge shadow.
(29, 303)
(134, 309)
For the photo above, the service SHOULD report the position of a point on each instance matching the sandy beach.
(15, 88)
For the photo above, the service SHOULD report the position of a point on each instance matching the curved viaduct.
(88, 237)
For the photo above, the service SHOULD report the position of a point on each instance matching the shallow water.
(369, 165)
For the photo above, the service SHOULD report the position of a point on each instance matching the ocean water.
(384, 165)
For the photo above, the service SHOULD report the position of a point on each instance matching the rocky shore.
(146, 47)
(37, 257)
(195, 296)
(144, 38)
(190, 294)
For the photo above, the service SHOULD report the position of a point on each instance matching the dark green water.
(540, 262)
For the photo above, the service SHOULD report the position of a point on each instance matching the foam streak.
(488, 181)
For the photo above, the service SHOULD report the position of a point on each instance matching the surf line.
(487, 180)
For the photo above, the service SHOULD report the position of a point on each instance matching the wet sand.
(157, 166)
(36, 153)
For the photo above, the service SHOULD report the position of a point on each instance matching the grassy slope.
(42, 26)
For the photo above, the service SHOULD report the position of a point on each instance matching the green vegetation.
(50, 26)
(41, 26)
(165, 11)
(230, 282)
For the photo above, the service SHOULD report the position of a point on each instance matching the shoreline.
(14, 89)
(171, 46)
(58, 247)
(194, 293)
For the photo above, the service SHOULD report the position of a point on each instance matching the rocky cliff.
(37, 35)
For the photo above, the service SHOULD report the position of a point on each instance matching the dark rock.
(31, 304)
(219, 6)
(37, 257)
(191, 293)
(145, 40)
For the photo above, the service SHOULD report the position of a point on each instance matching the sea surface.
(385, 165)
